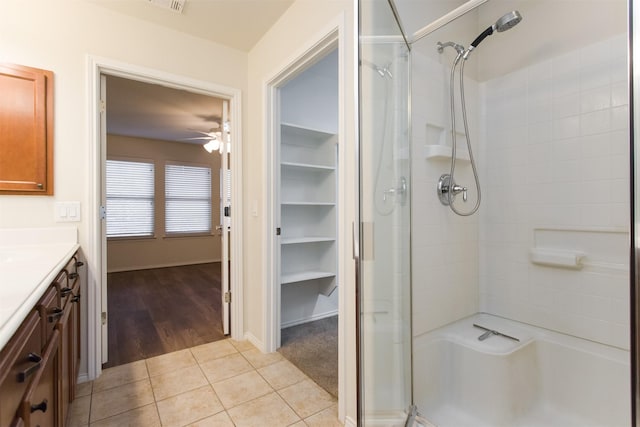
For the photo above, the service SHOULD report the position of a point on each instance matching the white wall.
(304, 23)
(161, 250)
(58, 36)
(556, 175)
(316, 87)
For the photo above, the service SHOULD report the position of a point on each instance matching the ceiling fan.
(214, 137)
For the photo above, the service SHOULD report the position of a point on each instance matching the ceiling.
(153, 111)
(156, 112)
(235, 23)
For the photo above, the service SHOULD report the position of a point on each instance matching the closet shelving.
(308, 207)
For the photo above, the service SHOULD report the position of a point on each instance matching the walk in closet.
(308, 194)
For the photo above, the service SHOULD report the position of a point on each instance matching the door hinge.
(103, 212)
(227, 297)
(104, 317)
(103, 106)
(278, 231)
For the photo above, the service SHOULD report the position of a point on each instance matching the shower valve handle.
(460, 189)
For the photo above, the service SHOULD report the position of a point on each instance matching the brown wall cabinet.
(26, 130)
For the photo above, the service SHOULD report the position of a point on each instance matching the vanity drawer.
(50, 313)
(63, 290)
(20, 360)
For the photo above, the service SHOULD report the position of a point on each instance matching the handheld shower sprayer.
(447, 187)
(506, 22)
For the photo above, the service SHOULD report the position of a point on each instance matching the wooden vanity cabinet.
(39, 365)
(26, 130)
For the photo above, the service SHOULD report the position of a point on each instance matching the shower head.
(382, 71)
(508, 21)
(505, 23)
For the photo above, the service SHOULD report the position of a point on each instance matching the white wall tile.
(595, 122)
(595, 99)
(575, 176)
(568, 127)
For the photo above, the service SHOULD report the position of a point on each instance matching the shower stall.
(496, 213)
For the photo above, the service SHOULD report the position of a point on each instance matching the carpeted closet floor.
(313, 348)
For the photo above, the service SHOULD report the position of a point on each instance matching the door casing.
(96, 67)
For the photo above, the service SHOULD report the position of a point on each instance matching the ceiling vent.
(173, 5)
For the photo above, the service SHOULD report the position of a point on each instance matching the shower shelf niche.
(439, 146)
(436, 151)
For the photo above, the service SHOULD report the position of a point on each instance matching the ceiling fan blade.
(200, 137)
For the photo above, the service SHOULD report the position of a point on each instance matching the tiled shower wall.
(555, 170)
(444, 246)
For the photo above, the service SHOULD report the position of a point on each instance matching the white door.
(225, 217)
(103, 203)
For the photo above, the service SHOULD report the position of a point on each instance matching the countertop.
(29, 261)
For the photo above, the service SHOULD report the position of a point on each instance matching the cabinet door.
(20, 361)
(26, 130)
(39, 407)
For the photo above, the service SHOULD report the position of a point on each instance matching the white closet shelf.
(307, 166)
(304, 276)
(294, 240)
(305, 129)
(436, 151)
(308, 203)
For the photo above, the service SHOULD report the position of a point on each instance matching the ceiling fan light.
(212, 145)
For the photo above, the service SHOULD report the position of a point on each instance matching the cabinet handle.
(65, 291)
(36, 359)
(42, 406)
(54, 314)
(76, 298)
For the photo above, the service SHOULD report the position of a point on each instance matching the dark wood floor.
(152, 312)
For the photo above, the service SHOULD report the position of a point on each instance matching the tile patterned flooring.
(223, 383)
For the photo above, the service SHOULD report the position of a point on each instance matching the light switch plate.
(67, 212)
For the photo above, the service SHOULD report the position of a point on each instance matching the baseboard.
(291, 323)
(163, 265)
(387, 419)
(350, 422)
(83, 378)
(255, 341)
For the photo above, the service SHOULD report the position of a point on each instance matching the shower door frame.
(634, 82)
(634, 223)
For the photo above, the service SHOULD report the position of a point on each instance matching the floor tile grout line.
(254, 368)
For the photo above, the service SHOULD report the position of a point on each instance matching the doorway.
(304, 259)
(164, 228)
(98, 307)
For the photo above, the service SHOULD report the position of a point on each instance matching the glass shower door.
(384, 270)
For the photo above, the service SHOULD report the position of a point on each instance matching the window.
(130, 201)
(187, 199)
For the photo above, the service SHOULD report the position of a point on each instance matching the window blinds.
(130, 198)
(187, 199)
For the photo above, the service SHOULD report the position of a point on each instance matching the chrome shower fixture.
(506, 22)
(447, 188)
(456, 46)
(382, 71)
